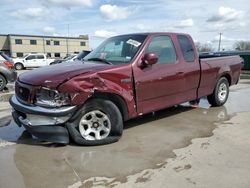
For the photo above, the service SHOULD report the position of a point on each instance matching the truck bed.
(213, 67)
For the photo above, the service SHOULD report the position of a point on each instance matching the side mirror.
(149, 59)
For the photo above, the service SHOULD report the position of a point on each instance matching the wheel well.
(117, 100)
(19, 63)
(228, 77)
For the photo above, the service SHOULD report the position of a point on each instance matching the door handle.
(180, 73)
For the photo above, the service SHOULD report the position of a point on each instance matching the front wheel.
(3, 82)
(19, 66)
(220, 93)
(99, 122)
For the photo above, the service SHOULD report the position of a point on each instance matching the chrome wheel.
(94, 125)
(1, 83)
(222, 92)
(18, 66)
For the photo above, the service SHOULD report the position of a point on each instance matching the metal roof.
(47, 36)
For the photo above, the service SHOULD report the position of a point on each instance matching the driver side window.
(31, 57)
(163, 47)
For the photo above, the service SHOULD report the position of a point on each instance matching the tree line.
(238, 46)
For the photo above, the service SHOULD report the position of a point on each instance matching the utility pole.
(67, 42)
(43, 46)
(219, 42)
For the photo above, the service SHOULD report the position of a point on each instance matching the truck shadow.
(147, 118)
(27, 138)
(211, 115)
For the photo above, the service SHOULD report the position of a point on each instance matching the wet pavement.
(147, 143)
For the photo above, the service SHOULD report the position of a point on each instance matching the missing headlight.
(51, 98)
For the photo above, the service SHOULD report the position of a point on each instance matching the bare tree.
(242, 45)
(204, 47)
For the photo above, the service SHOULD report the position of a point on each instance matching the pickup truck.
(31, 61)
(125, 77)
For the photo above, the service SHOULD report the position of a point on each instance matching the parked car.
(125, 77)
(81, 55)
(31, 61)
(66, 59)
(7, 71)
(72, 58)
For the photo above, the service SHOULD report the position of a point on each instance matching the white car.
(31, 61)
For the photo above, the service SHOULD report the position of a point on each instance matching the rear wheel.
(220, 93)
(19, 66)
(3, 82)
(100, 122)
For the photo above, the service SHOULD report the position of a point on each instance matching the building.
(54, 46)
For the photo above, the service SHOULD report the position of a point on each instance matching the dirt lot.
(177, 147)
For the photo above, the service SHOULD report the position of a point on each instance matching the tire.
(19, 66)
(220, 93)
(3, 82)
(99, 122)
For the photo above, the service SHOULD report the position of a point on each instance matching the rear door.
(160, 85)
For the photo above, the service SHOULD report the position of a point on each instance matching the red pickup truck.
(125, 77)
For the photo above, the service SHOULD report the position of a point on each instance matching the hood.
(18, 59)
(53, 75)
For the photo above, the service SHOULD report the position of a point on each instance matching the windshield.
(25, 56)
(70, 57)
(6, 57)
(117, 50)
(82, 54)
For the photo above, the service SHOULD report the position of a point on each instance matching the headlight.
(51, 98)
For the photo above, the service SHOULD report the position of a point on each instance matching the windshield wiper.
(100, 60)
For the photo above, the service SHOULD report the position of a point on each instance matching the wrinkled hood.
(53, 75)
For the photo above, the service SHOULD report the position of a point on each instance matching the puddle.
(146, 144)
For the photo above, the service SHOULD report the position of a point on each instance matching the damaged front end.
(46, 110)
(47, 124)
(43, 112)
(47, 97)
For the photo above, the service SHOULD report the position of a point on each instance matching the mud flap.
(76, 136)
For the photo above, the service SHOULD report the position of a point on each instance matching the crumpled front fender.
(81, 88)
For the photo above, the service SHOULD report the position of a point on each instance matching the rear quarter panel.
(214, 68)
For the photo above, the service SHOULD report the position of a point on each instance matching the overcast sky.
(204, 20)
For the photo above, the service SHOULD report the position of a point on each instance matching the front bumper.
(46, 124)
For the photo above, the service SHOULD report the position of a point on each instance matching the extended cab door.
(190, 67)
(41, 60)
(160, 85)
